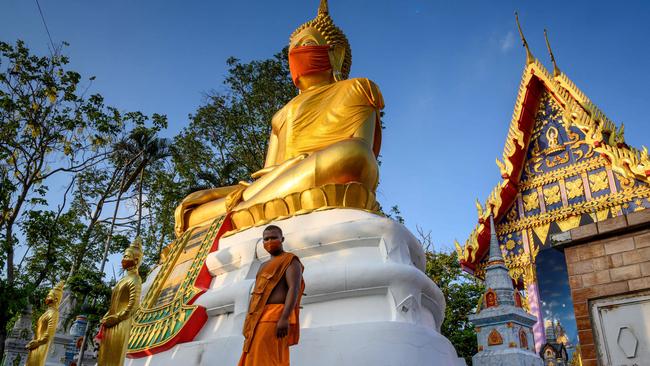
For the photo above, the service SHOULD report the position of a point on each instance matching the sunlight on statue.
(125, 299)
(327, 136)
(45, 328)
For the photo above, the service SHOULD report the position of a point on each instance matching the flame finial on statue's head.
(529, 55)
(556, 70)
(135, 250)
(341, 54)
(56, 293)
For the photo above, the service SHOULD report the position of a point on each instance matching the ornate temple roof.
(598, 133)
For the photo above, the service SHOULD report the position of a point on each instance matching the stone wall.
(605, 259)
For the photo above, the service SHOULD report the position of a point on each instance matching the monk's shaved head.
(273, 227)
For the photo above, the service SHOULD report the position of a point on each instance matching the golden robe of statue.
(45, 328)
(125, 300)
(328, 135)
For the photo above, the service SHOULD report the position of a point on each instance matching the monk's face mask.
(272, 240)
(272, 245)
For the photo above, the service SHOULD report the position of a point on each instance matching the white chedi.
(368, 300)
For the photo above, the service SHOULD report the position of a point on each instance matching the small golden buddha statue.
(125, 300)
(326, 136)
(45, 328)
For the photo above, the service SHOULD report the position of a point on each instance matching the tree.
(227, 137)
(462, 292)
(51, 129)
(48, 128)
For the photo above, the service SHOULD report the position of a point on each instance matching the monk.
(272, 324)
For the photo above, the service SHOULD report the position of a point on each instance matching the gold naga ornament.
(125, 300)
(45, 328)
(323, 145)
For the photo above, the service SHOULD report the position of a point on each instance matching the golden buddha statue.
(45, 328)
(125, 300)
(323, 145)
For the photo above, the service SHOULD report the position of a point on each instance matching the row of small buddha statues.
(114, 326)
(322, 153)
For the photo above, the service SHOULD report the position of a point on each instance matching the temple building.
(571, 220)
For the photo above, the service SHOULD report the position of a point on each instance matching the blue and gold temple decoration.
(564, 163)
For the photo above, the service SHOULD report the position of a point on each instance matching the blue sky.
(449, 72)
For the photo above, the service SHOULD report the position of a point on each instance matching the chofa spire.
(556, 70)
(529, 55)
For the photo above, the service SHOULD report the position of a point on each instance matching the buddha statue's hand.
(32, 344)
(110, 321)
(263, 171)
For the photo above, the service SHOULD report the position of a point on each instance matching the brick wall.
(606, 259)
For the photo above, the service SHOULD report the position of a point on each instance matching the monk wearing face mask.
(272, 324)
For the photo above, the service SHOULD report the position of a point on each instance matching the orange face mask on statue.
(307, 60)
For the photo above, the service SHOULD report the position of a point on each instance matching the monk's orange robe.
(262, 347)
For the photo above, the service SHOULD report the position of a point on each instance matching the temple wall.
(609, 267)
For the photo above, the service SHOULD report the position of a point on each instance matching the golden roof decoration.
(529, 55)
(600, 133)
(556, 70)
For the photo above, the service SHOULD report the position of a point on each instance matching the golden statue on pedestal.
(323, 145)
(45, 328)
(125, 300)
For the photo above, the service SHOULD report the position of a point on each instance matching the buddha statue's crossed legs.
(343, 162)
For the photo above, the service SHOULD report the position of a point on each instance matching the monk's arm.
(294, 277)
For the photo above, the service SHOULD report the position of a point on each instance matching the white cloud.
(507, 42)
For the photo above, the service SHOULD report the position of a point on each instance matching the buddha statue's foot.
(185, 216)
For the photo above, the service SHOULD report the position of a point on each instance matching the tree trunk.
(10, 254)
(110, 234)
(3, 337)
(137, 233)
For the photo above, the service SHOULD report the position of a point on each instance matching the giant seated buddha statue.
(323, 145)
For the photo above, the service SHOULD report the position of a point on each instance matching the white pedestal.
(367, 302)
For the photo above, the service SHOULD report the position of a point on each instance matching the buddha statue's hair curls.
(333, 35)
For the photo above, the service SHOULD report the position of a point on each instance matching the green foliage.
(395, 214)
(227, 137)
(462, 292)
(89, 282)
(49, 128)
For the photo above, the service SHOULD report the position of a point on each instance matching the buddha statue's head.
(319, 51)
(132, 257)
(53, 297)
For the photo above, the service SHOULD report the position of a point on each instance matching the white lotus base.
(367, 302)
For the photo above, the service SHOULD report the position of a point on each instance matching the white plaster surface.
(367, 300)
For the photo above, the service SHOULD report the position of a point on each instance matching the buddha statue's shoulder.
(277, 122)
(365, 89)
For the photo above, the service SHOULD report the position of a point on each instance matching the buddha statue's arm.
(368, 128)
(125, 313)
(271, 157)
(41, 339)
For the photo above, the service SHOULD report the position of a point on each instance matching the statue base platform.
(367, 300)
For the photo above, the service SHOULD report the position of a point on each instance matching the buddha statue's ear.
(337, 56)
